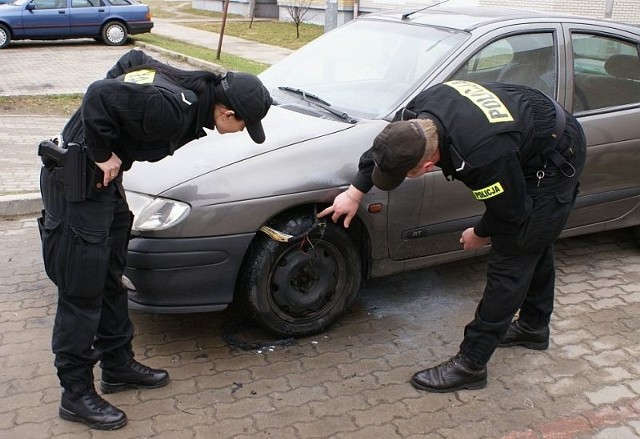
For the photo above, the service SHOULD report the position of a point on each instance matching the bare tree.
(297, 10)
(252, 11)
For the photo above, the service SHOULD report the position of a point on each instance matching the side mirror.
(31, 6)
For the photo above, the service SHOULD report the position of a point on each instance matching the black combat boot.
(90, 409)
(520, 334)
(132, 375)
(456, 373)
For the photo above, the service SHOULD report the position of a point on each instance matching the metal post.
(331, 15)
(608, 9)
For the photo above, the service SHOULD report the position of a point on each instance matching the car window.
(526, 59)
(50, 4)
(84, 3)
(606, 72)
(119, 2)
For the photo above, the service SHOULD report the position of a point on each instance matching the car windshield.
(20, 2)
(365, 68)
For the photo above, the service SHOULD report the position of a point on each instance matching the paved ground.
(350, 382)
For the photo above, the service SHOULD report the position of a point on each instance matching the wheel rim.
(305, 282)
(115, 34)
(3, 37)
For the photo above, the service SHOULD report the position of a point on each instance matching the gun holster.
(71, 158)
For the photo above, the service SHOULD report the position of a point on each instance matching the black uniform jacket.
(491, 138)
(140, 115)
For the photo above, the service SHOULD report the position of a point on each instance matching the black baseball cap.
(396, 150)
(249, 99)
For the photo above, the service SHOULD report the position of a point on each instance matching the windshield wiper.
(317, 100)
(305, 94)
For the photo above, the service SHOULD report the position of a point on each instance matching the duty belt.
(552, 152)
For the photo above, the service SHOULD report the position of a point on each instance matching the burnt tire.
(114, 33)
(300, 288)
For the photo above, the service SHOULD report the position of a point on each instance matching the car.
(226, 221)
(110, 21)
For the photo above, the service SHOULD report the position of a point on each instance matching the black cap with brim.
(250, 100)
(396, 150)
(385, 181)
(256, 132)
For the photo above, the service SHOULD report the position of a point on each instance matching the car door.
(428, 214)
(605, 97)
(87, 16)
(45, 18)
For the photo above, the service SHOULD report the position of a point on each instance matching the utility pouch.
(73, 160)
(75, 173)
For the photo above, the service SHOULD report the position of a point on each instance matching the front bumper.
(184, 275)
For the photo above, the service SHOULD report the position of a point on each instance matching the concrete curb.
(201, 64)
(20, 204)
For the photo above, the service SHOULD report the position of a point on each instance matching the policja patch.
(489, 192)
(491, 106)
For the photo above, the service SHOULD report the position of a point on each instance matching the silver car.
(225, 219)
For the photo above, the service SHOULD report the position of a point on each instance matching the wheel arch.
(115, 19)
(357, 231)
(300, 222)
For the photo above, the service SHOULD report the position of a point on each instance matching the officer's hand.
(345, 203)
(110, 168)
(471, 241)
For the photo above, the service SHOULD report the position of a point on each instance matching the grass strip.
(226, 61)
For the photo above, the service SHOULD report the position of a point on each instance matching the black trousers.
(84, 248)
(521, 271)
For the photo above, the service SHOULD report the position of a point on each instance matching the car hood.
(283, 128)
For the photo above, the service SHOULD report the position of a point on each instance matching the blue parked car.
(111, 21)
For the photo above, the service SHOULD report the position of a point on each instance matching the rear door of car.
(87, 16)
(605, 97)
(47, 18)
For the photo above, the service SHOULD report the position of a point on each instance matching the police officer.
(143, 110)
(521, 154)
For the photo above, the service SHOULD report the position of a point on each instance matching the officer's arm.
(362, 180)
(100, 119)
(501, 186)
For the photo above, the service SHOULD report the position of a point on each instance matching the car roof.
(473, 17)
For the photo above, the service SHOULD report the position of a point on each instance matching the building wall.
(627, 11)
(264, 8)
(316, 10)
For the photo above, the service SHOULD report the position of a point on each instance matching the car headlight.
(155, 213)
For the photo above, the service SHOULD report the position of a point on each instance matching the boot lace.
(95, 402)
(139, 367)
(451, 362)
